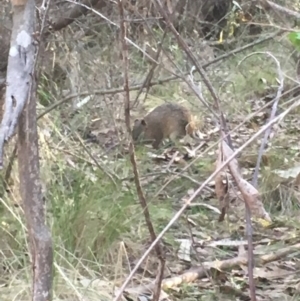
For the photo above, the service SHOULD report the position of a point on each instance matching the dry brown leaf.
(249, 192)
(269, 273)
(221, 189)
(143, 293)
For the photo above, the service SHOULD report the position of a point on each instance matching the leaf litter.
(211, 256)
(208, 256)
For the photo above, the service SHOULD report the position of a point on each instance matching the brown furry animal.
(169, 120)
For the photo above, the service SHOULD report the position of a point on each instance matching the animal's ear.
(143, 122)
(137, 122)
(18, 2)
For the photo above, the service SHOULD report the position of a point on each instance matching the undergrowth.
(97, 224)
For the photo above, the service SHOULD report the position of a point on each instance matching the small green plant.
(294, 38)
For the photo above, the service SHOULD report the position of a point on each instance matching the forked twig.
(273, 111)
(249, 229)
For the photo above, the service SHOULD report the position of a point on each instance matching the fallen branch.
(206, 268)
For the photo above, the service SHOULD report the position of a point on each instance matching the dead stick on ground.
(223, 265)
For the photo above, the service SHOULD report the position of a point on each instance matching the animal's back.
(168, 120)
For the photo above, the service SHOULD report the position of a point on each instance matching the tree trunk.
(21, 93)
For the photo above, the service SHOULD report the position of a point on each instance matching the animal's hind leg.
(157, 141)
(155, 144)
(174, 139)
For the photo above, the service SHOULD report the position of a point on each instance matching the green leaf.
(294, 38)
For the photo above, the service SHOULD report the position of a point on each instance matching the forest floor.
(98, 227)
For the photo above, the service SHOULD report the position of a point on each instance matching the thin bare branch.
(147, 81)
(280, 8)
(249, 229)
(110, 176)
(273, 111)
(75, 12)
(157, 82)
(139, 189)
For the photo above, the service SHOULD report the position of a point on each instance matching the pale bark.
(20, 109)
(19, 69)
(31, 193)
